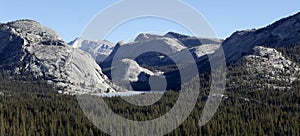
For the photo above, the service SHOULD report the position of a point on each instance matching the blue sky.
(70, 18)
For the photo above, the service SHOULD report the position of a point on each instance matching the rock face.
(99, 50)
(282, 33)
(28, 48)
(198, 52)
(129, 70)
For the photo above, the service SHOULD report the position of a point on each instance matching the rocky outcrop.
(272, 66)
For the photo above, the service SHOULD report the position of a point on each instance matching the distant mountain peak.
(146, 36)
(176, 35)
(99, 49)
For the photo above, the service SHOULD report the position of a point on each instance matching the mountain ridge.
(283, 32)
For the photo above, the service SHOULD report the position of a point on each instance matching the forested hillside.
(33, 108)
